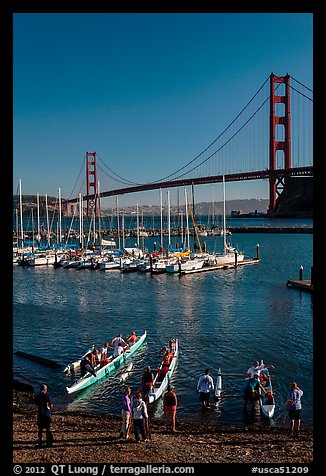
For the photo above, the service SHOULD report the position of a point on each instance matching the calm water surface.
(225, 318)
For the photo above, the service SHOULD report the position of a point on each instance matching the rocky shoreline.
(94, 438)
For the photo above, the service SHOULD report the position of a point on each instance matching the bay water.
(223, 319)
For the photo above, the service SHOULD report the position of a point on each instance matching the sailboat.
(230, 254)
(49, 256)
(186, 262)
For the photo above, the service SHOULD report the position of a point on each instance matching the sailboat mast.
(47, 218)
(17, 227)
(118, 221)
(21, 212)
(187, 221)
(161, 207)
(32, 230)
(224, 217)
(59, 194)
(137, 224)
(99, 214)
(38, 217)
(123, 227)
(169, 219)
(81, 231)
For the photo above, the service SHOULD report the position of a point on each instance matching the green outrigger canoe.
(108, 369)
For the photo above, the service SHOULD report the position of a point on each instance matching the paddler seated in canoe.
(96, 357)
(132, 338)
(163, 351)
(86, 365)
(104, 354)
(251, 393)
(171, 346)
(116, 341)
(147, 381)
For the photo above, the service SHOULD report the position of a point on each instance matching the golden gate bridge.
(270, 138)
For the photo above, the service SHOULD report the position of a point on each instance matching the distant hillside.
(297, 198)
(201, 208)
(246, 205)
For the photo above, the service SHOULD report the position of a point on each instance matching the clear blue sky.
(147, 92)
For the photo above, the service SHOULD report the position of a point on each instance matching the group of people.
(134, 409)
(100, 357)
(257, 380)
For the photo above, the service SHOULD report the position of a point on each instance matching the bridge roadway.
(261, 174)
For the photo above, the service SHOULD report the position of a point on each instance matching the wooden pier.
(205, 269)
(302, 284)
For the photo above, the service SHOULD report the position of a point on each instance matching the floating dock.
(205, 269)
(302, 284)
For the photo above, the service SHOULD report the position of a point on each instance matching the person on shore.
(251, 393)
(139, 416)
(131, 339)
(147, 381)
(294, 406)
(205, 386)
(256, 368)
(86, 365)
(126, 414)
(44, 416)
(170, 403)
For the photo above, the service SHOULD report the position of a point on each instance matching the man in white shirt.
(205, 385)
(256, 369)
(115, 342)
(118, 351)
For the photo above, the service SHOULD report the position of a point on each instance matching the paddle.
(148, 430)
(127, 372)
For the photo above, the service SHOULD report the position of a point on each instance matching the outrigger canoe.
(74, 366)
(218, 386)
(159, 386)
(267, 401)
(108, 369)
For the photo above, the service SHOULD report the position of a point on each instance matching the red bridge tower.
(277, 182)
(91, 182)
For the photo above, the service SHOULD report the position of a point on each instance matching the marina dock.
(222, 266)
(303, 285)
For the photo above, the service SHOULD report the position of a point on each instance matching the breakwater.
(271, 229)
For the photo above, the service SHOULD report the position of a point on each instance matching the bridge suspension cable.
(214, 141)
